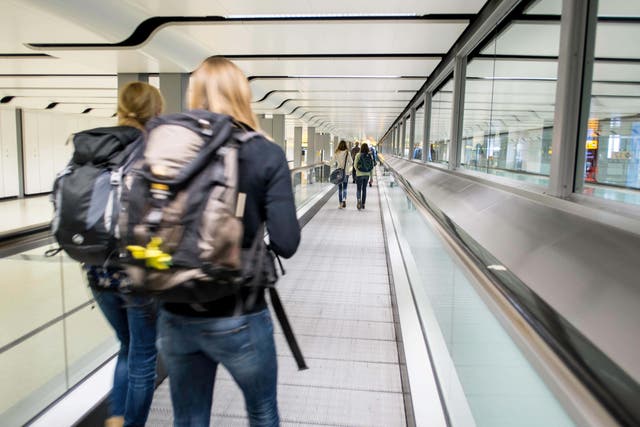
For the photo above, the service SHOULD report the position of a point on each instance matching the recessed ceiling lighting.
(320, 15)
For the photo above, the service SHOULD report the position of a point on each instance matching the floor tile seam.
(323, 387)
(332, 292)
(382, 362)
(336, 337)
(282, 420)
(355, 320)
(365, 306)
(286, 358)
(338, 304)
(377, 320)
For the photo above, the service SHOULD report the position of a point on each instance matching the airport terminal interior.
(492, 280)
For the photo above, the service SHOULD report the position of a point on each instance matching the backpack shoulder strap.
(247, 136)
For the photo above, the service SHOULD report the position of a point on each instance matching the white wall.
(45, 149)
(9, 182)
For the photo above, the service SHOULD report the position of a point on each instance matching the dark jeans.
(134, 320)
(353, 174)
(342, 188)
(192, 347)
(361, 193)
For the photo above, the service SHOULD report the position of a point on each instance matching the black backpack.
(86, 194)
(365, 163)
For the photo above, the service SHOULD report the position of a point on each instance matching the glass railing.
(309, 181)
(52, 334)
(484, 378)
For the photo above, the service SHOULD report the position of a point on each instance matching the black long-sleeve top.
(265, 178)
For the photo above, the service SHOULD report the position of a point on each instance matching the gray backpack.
(182, 217)
(87, 194)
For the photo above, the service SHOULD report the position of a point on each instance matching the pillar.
(297, 146)
(173, 87)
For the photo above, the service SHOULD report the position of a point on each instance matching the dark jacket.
(354, 151)
(266, 180)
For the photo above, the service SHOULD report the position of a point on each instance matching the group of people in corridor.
(359, 161)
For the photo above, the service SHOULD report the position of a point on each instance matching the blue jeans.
(361, 192)
(192, 347)
(134, 320)
(342, 188)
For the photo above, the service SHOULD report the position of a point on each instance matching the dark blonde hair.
(218, 85)
(137, 103)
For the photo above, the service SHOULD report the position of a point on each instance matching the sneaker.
(339, 205)
(344, 203)
(363, 206)
(359, 205)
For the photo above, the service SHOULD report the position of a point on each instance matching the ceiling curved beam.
(253, 78)
(147, 28)
(271, 92)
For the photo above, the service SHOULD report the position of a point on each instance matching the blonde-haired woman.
(132, 317)
(194, 340)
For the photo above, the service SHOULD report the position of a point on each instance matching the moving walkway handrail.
(613, 388)
(303, 168)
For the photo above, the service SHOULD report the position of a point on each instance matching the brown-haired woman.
(342, 159)
(363, 173)
(194, 340)
(132, 317)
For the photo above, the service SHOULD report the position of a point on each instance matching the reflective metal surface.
(578, 277)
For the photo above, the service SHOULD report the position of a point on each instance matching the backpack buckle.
(205, 127)
(116, 177)
(160, 191)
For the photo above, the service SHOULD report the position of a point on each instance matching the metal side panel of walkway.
(337, 295)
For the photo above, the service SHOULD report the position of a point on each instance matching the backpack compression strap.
(286, 329)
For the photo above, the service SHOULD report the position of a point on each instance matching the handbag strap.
(346, 157)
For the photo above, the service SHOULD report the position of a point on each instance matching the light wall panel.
(8, 154)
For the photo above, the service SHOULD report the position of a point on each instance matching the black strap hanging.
(286, 329)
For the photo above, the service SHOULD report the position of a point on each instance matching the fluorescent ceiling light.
(320, 15)
(348, 76)
(544, 79)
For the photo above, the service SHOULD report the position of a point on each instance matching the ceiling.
(346, 67)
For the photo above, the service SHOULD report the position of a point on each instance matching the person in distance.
(342, 159)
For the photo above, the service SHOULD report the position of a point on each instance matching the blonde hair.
(137, 103)
(218, 85)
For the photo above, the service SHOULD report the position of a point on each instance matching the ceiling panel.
(341, 100)
(613, 40)
(304, 7)
(21, 22)
(339, 66)
(327, 37)
(527, 39)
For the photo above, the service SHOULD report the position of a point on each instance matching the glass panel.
(440, 131)
(31, 294)
(407, 137)
(478, 365)
(32, 375)
(612, 148)
(418, 141)
(509, 104)
(52, 335)
(309, 182)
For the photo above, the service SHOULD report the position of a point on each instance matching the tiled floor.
(22, 213)
(336, 293)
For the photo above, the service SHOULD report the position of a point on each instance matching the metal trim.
(574, 64)
(571, 384)
(425, 389)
